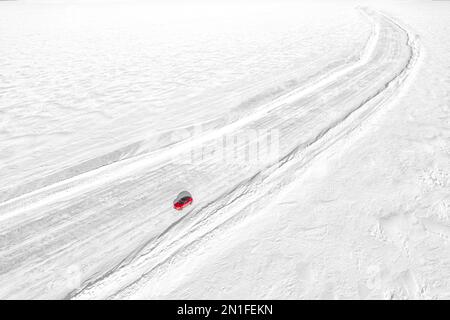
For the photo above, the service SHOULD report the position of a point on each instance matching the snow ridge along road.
(113, 227)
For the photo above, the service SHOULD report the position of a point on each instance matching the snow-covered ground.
(314, 137)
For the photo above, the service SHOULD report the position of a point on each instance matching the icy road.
(105, 227)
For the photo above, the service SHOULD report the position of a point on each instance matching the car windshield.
(184, 199)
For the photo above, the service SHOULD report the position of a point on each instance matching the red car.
(183, 200)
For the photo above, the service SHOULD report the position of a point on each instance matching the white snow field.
(313, 136)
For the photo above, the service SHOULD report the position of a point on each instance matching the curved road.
(103, 233)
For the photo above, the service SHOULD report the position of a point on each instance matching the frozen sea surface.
(104, 104)
(84, 85)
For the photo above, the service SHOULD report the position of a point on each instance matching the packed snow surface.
(313, 137)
